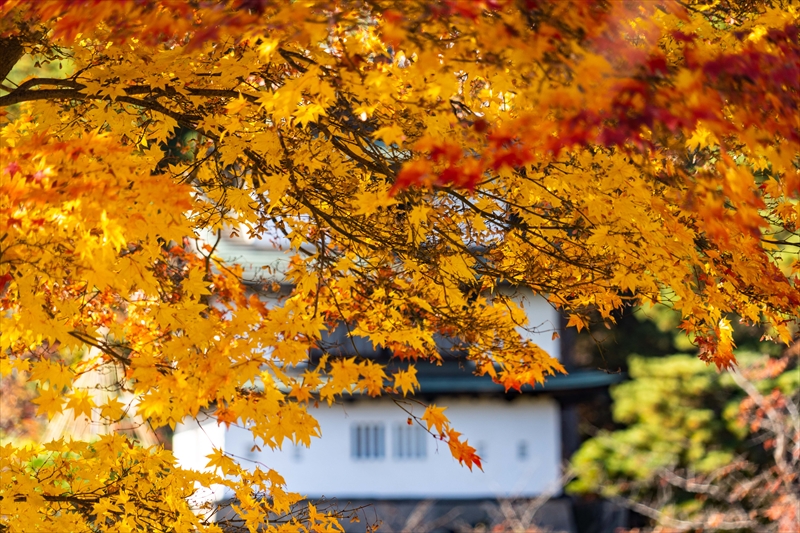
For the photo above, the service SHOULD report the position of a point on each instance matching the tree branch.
(11, 51)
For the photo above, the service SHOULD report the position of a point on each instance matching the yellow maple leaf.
(235, 106)
(390, 135)
(195, 284)
(418, 215)
(58, 375)
(81, 403)
(309, 112)
(701, 138)
(218, 459)
(113, 409)
(406, 380)
(373, 378)
(49, 401)
(434, 417)
(369, 202)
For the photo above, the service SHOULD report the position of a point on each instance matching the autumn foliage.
(418, 156)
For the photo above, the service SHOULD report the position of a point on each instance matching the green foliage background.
(676, 413)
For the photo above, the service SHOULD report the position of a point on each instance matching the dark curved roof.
(467, 383)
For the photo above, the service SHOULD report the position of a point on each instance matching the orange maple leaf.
(462, 451)
(226, 416)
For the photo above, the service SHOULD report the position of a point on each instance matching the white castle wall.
(519, 441)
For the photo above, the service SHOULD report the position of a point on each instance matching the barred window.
(522, 450)
(410, 442)
(367, 441)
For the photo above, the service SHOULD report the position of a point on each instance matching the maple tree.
(418, 156)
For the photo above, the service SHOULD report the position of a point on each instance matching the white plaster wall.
(191, 443)
(494, 426)
(543, 320)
